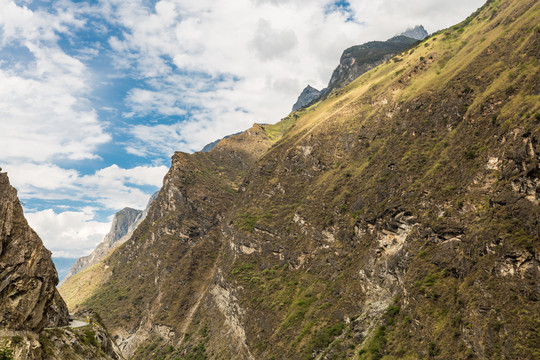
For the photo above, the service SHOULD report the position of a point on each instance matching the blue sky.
(95, 96)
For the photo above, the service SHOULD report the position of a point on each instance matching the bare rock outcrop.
(359, 59)
(308, 95)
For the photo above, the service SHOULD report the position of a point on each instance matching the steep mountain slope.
(123, 224)
(398, 219)
(169, 261)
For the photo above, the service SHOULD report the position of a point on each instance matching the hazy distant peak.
(418, 32)
(306, 97)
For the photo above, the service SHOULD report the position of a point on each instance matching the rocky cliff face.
(306, 97)
(359, 59)
(398, 218)
(123, 224)
(177, 245)
(28, 296)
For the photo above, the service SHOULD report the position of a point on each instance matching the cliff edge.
(28, 296)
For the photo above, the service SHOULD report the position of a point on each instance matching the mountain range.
(396, 217)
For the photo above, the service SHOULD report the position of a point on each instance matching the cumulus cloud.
(271, 43)
(41, 120)
(111, 188)
(51, 177)
(68, 234)
(145, 101)
(43, 99)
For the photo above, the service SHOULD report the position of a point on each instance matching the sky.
(95, 96)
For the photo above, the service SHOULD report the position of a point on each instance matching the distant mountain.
(359, 59)
(213, 144)
(418, 32)
(123, 224)
(307, 96)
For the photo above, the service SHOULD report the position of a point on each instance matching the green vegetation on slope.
(437, 134)
(397, 219)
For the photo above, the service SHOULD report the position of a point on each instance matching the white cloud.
(69, 233)
(272, 49)
(140, 175)
(44, 109)
(271, 43)
(51, 177)
(111, 188)
(145, 101)
(20, 23)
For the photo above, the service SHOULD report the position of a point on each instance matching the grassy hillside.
(397, 219)
(404, 207)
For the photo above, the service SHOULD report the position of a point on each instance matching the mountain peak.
(124, 223)
(307, 96)
(418, 32)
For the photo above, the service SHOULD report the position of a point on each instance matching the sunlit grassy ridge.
(396, 219)
(416, 135)
(83, 284)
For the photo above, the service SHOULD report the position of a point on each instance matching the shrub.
(90, 337)
(326, 336)
(509, 90)
(6, 353)
(469, 154)
(247, 221)
(433, 349)
(198, 353)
